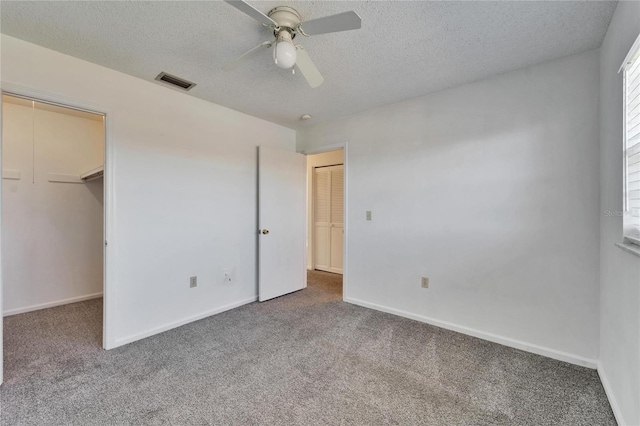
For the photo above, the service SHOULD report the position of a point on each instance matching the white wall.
(52, 240)
(620, 271)
(489, 189)
(184, 189)
(317, 160)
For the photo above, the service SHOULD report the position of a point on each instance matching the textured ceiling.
(404, 49)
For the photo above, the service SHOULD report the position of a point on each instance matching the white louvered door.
(329, 218)
(322, 234)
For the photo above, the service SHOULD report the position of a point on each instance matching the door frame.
(108, 268)
(345, 254)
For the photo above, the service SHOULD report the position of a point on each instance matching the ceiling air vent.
(175, 81)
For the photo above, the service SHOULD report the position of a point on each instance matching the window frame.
(631, 232)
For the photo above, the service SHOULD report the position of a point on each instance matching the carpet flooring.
(303, 359)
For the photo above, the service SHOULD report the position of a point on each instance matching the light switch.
(368, 214)
(425, 282)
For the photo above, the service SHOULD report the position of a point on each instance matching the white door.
(1, 308)
(281, 219)
(329, 218)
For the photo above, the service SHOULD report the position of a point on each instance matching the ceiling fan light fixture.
(284, 53)
(286, 23)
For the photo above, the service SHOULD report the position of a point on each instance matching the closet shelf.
(96, 173)
(11, 174)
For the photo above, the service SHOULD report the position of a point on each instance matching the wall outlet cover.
(368, 215)
(425, 282)
(193, 282)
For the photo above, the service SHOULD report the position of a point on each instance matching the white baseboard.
(50, 304)
(517, 344)
(176, 324)
(609, 392)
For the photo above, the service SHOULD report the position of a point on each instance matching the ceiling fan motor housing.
(286, 17)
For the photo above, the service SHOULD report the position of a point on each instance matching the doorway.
(53, 214)
(325, 216)
(285, 202)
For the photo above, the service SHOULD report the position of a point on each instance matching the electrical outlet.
(368, 214)
(425, 282)
(227, 275)
(193, 282)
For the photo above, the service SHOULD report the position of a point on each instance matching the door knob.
(265, 231)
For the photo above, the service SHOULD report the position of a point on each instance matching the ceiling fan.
(286, 23)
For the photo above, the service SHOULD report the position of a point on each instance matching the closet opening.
(53, 230)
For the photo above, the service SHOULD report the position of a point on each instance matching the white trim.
(51, 304)
(629, 248)
(176, 324)
(345, 226)
(617, 413)
(635, 49)
(50, 98)
(109, 233)
(506, 341)
(109, 268)
(325, 148)
(311, 201)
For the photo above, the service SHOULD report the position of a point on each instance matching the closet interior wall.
(52, 221)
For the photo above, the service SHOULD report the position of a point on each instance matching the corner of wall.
(619, 304)
(608, 390)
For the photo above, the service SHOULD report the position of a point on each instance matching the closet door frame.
(108, 269)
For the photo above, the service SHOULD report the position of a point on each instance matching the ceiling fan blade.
(308, 68)
(240, 59)
(332, 23)
(245, 7)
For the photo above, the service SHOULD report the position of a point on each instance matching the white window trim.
(631, 235)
